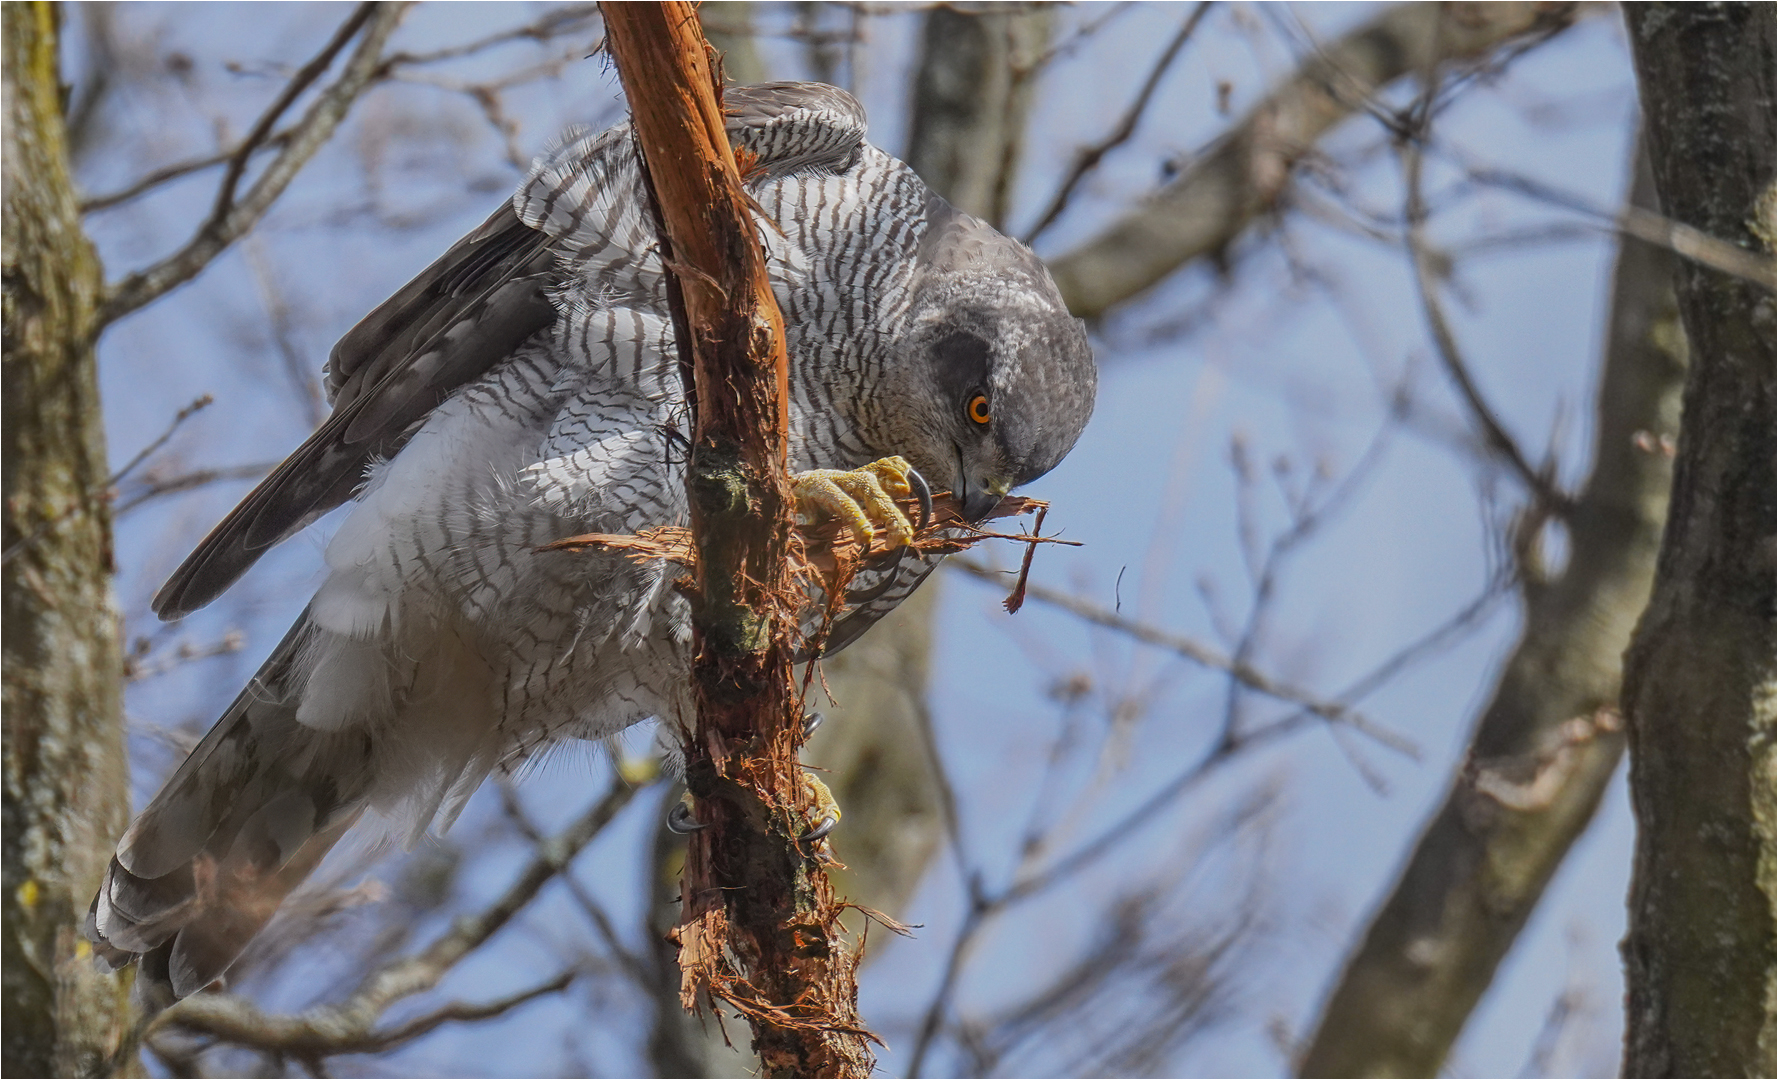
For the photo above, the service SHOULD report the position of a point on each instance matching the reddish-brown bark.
(759, 928)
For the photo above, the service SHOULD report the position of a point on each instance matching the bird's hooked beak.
(978, 495)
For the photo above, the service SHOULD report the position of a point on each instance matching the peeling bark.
(1698, 684)
(66, 776)
(759, 927)
(874, 743)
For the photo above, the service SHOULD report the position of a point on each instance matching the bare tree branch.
(1495, 438)
(230, 219)
(1548, 741)
(549, 26)
(351, 1025)
(1179, 644)
(1642, 222)
(191, 481)
(169, 173)
(1245, 174)
(1088, 159)
(104, 491)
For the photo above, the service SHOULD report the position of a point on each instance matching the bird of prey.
(525, 388)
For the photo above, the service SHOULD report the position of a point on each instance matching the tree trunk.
(1549, 740)
(66, 783)
(1698, 684)
(972, 94)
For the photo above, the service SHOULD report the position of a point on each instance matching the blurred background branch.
(1243, 175)
(1550, 738)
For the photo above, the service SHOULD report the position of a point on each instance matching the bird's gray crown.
(987, 316)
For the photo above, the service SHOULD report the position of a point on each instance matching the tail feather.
(242, 823)
(200, 795)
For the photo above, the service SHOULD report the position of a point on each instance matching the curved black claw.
(865, 596)
(924, 494)
(681, 823)
(811, 721)
(821, 829)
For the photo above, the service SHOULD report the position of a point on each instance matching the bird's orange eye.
(978, 409)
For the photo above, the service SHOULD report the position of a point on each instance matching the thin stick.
(231, 219)
(1089, 159)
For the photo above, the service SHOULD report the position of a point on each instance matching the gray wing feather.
(796, 127)
(461, 316)
(465, 313)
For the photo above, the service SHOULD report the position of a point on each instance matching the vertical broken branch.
(759, 927)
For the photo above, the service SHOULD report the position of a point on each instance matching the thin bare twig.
(103, 491)
(137, 668)
(543, 29)
(1495, 438)
(1244, 174)
(169, 173)
(983, 905)
(262, 128)
(239, 1022)
(350, 1026)
(190, 481)
(198, 405)
(1179, 644)
(1088, 159)
(634, 966)
(231, 218)
(1074, 41)
(1643, 224)
(556, 22)
(462, 1012)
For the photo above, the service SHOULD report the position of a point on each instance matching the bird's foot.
(864, 498)
(682, 820)
(826, 813)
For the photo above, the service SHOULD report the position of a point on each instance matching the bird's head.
(993, 379)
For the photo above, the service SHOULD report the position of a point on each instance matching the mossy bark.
(66, 795)
(1698, 683)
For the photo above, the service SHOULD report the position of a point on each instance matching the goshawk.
(525, 388)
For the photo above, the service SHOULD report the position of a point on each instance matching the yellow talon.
(826, 813)
(863, 498)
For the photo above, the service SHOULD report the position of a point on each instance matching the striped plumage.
(525, 388)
